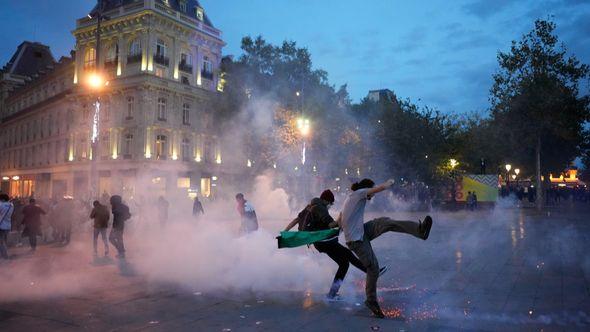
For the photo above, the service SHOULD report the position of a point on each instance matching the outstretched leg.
(378, 226)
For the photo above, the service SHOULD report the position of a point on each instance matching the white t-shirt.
(352, 215)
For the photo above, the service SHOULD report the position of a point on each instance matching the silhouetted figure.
(101, 216)
(6, 210)
(247, 215)
(120, 215)
(198, 208)
(32, 222)
(483, 166)
(163, 210)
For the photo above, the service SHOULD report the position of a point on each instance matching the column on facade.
(122, 60)
(148, 148)
(152, 39)
(114, 142)
(71, 150)
(145, 57)
(198, 64)
(175, 57)
(78, 62)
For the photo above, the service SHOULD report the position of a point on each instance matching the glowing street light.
(517, 171)
(304, 126)
(513, 176)
(96, 81)
(508, 167)
(453, 163)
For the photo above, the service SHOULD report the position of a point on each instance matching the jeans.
(33, 241)
(4, 243)
(103, 233)
(116, 238)
(364, 250)
(343, 257)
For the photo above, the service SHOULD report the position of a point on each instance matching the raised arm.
(377, 189)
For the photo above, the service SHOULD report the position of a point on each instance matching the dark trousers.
(4, 243)
(116, 238)
(33, 241)
(364, 250)
(341, 255)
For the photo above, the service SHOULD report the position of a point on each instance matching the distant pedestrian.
(474, 200)
(197, 208)
(163, 210)
(100, 214)
(6, 210)
(120, 215)
(249, 220)
(32, 221)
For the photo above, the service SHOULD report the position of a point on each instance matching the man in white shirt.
(6, 209)
(358, 235)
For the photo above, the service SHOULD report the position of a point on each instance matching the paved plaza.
(500, 270)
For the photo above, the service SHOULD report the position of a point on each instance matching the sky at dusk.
(437, 53)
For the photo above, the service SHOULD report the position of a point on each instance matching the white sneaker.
(335, 298)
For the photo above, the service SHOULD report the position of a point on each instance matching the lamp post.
(96, 82)
(516, 172)
(453, 163)
(508, 168)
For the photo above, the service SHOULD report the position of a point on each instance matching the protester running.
(358, 235)
(6, 210)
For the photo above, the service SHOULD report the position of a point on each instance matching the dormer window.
(183, 6)
(199, 13)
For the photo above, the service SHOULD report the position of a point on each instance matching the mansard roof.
(173, 4)
(30, 58)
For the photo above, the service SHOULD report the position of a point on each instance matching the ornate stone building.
(161, 60)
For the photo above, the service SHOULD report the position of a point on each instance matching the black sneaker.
(375, 309)
(425, 227)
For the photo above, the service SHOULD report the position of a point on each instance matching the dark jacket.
(120, 212)
(101, 216)
(32, 219)
(321, 218)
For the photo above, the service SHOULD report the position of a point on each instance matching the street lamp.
(96, 82)
(453, 163)
(516, 172)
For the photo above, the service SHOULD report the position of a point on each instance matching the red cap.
(327, 196)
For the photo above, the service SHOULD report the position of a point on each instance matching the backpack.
(305, 219)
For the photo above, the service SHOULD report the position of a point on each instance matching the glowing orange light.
(96, 81)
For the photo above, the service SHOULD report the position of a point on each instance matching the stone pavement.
(503, 270)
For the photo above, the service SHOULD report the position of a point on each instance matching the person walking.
(6, 210)
(315, 217)
(100, 214)
(32, 222)
(120, 215)
(358, 235)
(197, 208)
(249, 220)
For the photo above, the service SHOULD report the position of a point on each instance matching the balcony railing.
(161, 60)
(183, 66)
(207, 74)
(134, 58)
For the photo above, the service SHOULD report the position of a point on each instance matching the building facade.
(161, 62)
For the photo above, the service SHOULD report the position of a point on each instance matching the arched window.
(162, 109)
(90, 57)
(186, 110)
(112, 54)
(130, 107)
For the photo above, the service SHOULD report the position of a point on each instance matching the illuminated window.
(199, 13)
(161, 147)
(90, 58)
(127, 146)
(186, 108)
(162, 109)
(130, 107)
(159, 71)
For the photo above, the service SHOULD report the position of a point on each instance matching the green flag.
(296, 239)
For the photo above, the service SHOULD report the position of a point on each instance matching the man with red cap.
(315, 217)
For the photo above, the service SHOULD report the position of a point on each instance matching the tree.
(535, 102)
